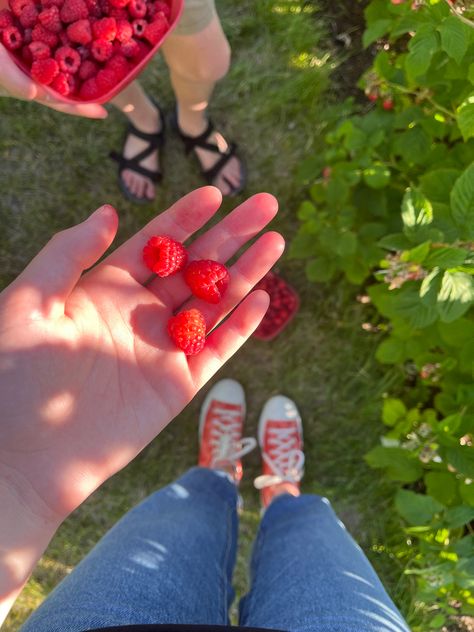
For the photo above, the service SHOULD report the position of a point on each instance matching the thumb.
(56, 269)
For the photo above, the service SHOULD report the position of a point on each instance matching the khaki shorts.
(197, 14)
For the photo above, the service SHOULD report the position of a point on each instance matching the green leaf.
(437, 621)
(399, 464)
(320, 269)
(455, 296)
(375, 31)
(457, 334)
(465, 546)
(454, 37)
(390, 351)
(417, 254)
(462, 459)
(306, 211)
(347, 244)
(393, 411)
(466, 491)
(413, 145)
(417, 509)
(465, 118)
(430, 287)
(458, 516)
(422, 47)
(462, 202)
(410, 306)
(437, 184)
(397, 241)
(442, 486)
(445, 258)
(416, 211)
(377, 176)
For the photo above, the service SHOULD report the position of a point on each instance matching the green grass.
(55, 171)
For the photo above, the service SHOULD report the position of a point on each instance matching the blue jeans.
(170, 560)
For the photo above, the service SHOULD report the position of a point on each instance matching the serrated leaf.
(454, 37)
(417, 509)
(465, 118)
(462, 202)
(437, 184)
(397, 241)
(409, 305)
(455, 296)
(306, 211)
(421, 48)
(458, 516)
(320, 270)
(417, 211)
(417, 254)
(462, 459)
(375, 31)
(399, 464)
(442, 486)
(430, 287)
(347, 244)
(393, 410)
(445, 258)
(390, 351)
(413, 145)
(376, 176)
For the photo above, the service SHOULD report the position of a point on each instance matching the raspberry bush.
(392, 208)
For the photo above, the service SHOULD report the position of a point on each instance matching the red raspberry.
(39, 50)
(49, 18)
(124, 31)
(94, 8)
(89, 90)
(119, 14)
(387, 104)
(164, 256)
(130, 48)
(207, 279)
(88, 69)
(118, 4)
(188, 331)
(143, 50)
(283, 306)
(158, 7)
(6, 18)
(154, 31)
(106, 29)
(137, 8)
(373, 96)
(80, 32)
(52, 3)
(12, 38)
(106, 80)
(68, 59)
(139, 27)
(102, 49)
(44, 70)
(61, 84)
(28, 16)
(73, 10)
(119, 66)
(40, 34)
(27, 36)
(26, 55)
(17, 6)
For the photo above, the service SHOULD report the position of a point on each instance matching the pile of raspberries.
(82, 48)
(207, 280)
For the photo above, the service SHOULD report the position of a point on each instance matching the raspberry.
(17, 6)
(106, 80)
(102, 49)
(27, 36)
(119, 4)
(6, 18)
(119, 66)
(87, 70)
(28, 16)
(164, 256)
(188, 331)
(106, 29)
(119, 14)
(130, 48)
(73, 10)
(40, 34)
(61, 84)
(12, 38)
(39, 50)
(387, 104)
(89, 90)
(137, 8)
(154, 31)
(158, 7)
(94, 8)
(44, 70)
(52, 3)
(124, 31)
(207, 279)
(80, 32)
(283, 306)
(26, 55)
(68, 59)
(139, 27)
(49, 18)
(143, 50)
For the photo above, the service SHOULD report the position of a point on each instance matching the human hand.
(15, 83)
(88, 374)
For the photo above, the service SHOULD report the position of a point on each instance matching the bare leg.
(140, 111)
(196, 62)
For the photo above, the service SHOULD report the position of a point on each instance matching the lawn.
(54, 171)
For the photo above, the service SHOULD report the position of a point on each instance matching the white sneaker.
(220, 429)
(280, 437)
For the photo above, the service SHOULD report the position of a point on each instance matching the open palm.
(88, 373)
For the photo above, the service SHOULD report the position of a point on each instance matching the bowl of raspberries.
(85, 50)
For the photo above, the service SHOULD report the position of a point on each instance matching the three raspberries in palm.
(207, 280)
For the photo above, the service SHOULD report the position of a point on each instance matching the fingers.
(56, 269)
(220, 243)
(87, 110)
(180, 221)
(244, 274)
(14, 80)
(228, 338)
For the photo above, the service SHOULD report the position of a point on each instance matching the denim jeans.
(170, 560)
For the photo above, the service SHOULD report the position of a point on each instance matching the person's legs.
(308, 574)
(169, 560)
(196, 62)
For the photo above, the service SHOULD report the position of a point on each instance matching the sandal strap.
(213, 172)
(155, 139)
(191, 142)
(133, 164)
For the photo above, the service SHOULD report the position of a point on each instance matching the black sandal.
(155, 141)
(191, 142)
